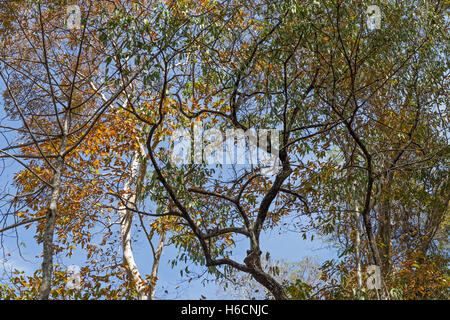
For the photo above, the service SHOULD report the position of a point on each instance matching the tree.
(63, 112)
(341, 124)
(390, 101)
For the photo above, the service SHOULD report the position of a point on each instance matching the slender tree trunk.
(156, 261)
(357, 227)
(52, 212)
(357, 217)
(126, 219)
(138, 170)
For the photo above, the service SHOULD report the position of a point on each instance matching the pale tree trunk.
(126, 218)
(357, 227)
(127, 203)
(51, 214)
(137, 176)
(156, 261)
(52, 211)
(357, 217)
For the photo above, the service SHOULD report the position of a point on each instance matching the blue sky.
(286, 245)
